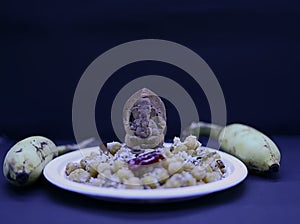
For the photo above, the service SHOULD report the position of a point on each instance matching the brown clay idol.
(144, 119)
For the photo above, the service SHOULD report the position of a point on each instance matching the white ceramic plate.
(55, 173)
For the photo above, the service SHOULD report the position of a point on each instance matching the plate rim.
(238, 172)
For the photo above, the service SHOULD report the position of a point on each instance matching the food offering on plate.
(143, 161)
(180, 164)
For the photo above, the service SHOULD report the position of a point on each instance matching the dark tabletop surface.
(258, 199)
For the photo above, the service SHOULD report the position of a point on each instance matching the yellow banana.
(25, 161)
(259, 153)
(256, 150)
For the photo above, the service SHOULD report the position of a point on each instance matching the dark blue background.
(252, 47)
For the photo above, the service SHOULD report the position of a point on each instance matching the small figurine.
(144, 119)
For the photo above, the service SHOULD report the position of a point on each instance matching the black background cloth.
(252, 47)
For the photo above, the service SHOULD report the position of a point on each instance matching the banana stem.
(71, 147)
(202, 129)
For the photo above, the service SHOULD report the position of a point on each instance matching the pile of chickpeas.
(179, 164)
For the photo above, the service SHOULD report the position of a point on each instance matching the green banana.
(259, 153)
(25, 161)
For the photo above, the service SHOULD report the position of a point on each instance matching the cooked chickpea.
(183, 164)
